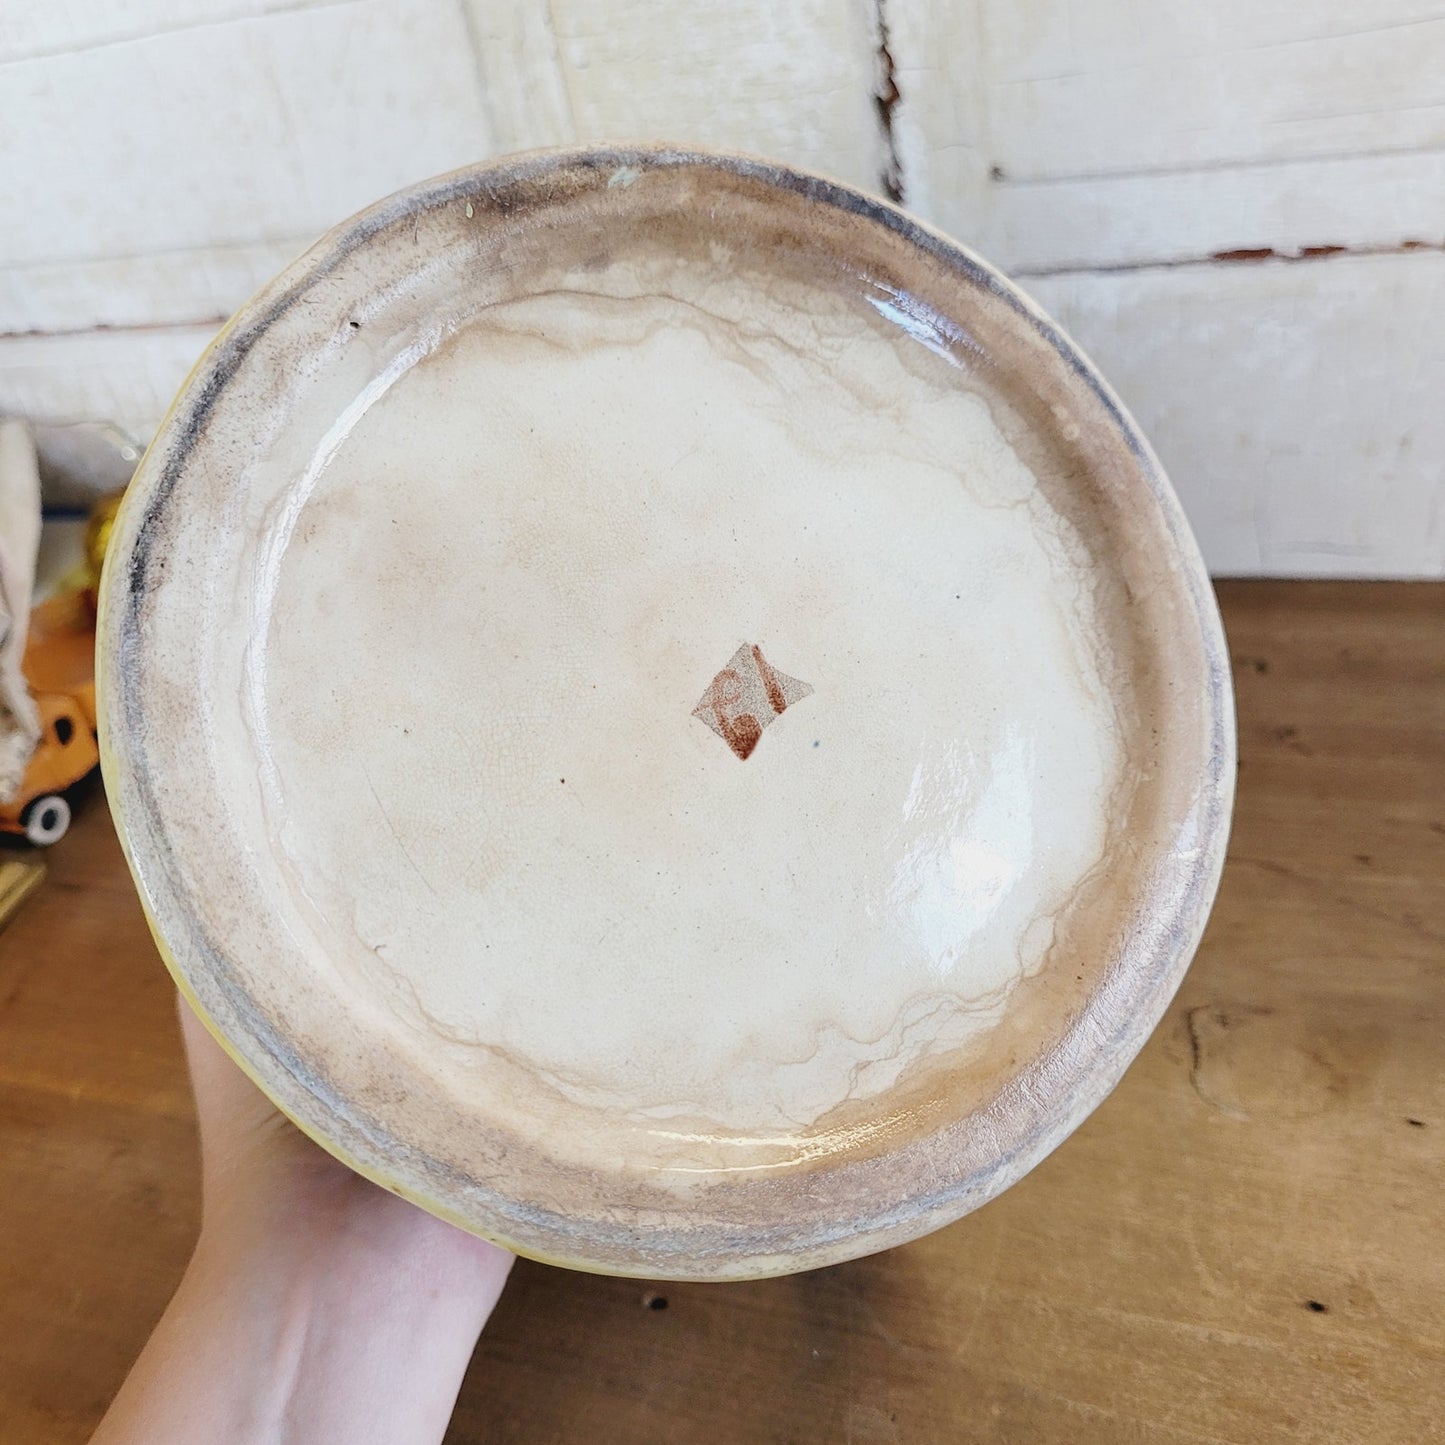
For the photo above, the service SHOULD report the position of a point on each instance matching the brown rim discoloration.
(959, 1131)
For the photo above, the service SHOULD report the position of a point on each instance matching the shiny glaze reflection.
(703, 961)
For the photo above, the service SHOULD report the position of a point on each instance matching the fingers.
(228, 1105)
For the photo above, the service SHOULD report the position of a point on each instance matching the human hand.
(316, 1307)
(264, 1183)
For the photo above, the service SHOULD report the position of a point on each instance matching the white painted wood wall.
(1237, 206)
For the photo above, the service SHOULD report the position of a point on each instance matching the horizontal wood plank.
(256, 130)
(1295, 405)
(794, 81)
(63, 27)
(1085, 170)
(1113, 87)
(125, 376)
(143, 292)
(1366, 204)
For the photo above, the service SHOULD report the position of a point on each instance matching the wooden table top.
(1245, 1243)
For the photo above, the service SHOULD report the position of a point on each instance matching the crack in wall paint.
(1245, 255)
(886, 96)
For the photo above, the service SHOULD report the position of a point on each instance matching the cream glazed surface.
(662, 712)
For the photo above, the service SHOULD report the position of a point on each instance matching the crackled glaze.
(425, 580)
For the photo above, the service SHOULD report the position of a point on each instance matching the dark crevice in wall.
(1245, 255)
(885, 100)
(105, 328)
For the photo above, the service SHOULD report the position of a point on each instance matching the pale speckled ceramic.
(662, 710)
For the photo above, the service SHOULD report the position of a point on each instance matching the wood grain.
(1242, 1244)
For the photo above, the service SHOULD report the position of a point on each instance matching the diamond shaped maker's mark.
(745, 697)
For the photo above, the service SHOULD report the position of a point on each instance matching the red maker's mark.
(745, 697)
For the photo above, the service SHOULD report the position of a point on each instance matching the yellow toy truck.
(59, 665)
